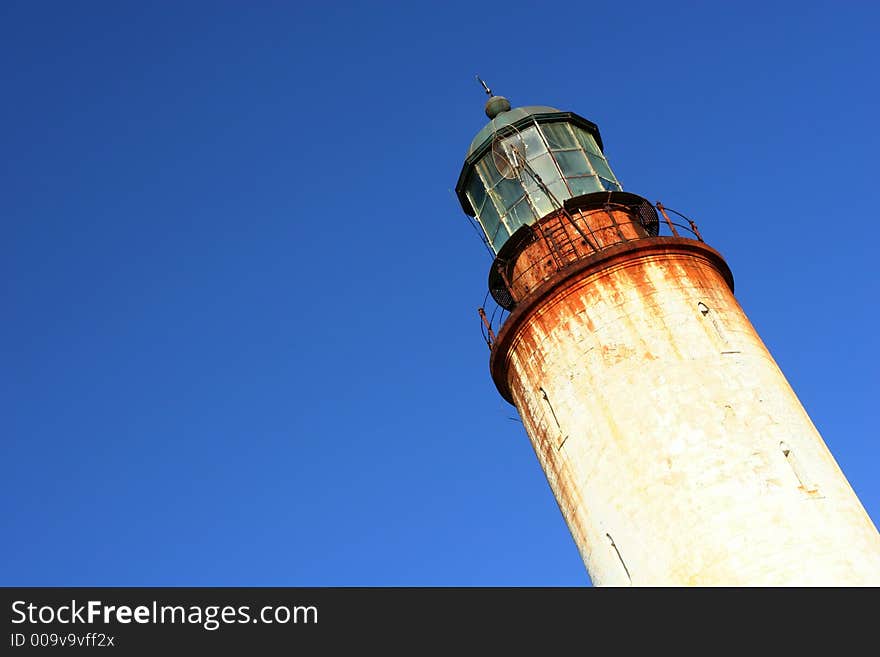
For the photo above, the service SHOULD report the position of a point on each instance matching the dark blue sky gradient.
(240, 339)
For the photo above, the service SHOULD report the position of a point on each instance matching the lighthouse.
(676, 449)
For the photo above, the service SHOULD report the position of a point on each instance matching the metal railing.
(493, 315)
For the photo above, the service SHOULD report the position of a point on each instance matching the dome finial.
(496, 104)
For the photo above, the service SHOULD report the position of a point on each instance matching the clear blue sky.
(239, 340)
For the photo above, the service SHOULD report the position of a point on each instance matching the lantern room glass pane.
(520, 215)
(600, 166)
(559, 190)
(545, 167)
(584, 185)
(610, 186)
(489, 219)
(476, 193)
(509, 191)
(500, 235)
(487, 171)
(533, 143)
(573, 163)
(559, 135)
(542, 203)
(587, 141)
(549, 198)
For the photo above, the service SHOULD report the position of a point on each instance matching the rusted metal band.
(605, 259)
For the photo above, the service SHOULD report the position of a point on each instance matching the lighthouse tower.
(676, 449)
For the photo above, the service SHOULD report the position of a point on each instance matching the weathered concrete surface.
(676, 449)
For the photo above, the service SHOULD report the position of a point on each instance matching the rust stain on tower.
(676, 449)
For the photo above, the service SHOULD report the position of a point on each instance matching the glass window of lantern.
(586, 185)
(559, 136)
(509, 191)
(489, 219)
(573, 163)
(541, 202)
(601, 166)
(476, 193)
(487, 171)
(534, 145)
(559, 190)
(520, 215)
(499, 237)
(543, 166)
(587, 141)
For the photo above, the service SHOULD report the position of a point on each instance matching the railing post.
(487, 325)
(696, 231)
(666, 216)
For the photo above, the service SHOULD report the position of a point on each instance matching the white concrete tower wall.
(676, 449)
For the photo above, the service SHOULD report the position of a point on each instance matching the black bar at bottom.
(414, 620)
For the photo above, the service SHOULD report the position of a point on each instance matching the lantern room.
(525, 163)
